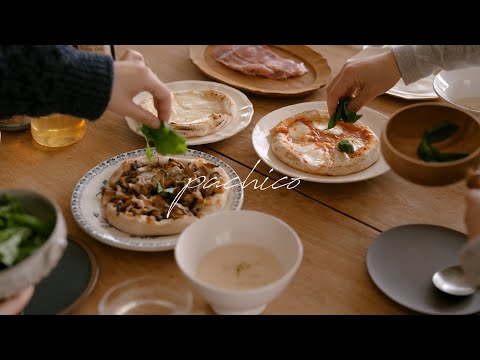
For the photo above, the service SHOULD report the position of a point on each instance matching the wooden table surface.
(336, 222)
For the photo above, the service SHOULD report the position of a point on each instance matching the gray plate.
(67, 285)
(402, 261)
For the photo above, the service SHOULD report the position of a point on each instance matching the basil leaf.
(167, 141)
(342, 114)
(148, 151)
(346, 146)
(440, 132)
(441, 157)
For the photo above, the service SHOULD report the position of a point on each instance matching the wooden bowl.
(403, 133)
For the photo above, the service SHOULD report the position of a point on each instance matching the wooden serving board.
(318, 72)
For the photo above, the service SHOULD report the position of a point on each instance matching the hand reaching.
(131, 77)
(363, 79)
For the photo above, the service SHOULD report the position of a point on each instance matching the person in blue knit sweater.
(38, 80)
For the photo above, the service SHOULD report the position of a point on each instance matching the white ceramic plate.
(85, 204)
(419, 90)
(454, 85)
(261, 143)
(239, 122)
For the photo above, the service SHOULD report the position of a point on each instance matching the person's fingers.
(473, 197)
(332, 100)
(15, 304)
(161, 95)
(363, 96)
(343, 87)
(141, 115)
(132, 55)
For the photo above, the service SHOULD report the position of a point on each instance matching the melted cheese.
(303, 148)
(196, 106)
(357, 143)
(339, 156)
(298, 131)
(316, 157)
(335, 131)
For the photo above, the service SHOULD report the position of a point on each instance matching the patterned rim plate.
(85, 204)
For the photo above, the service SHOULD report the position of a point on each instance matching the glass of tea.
(57, 130)
(147, 295)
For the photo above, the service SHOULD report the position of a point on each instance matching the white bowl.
(455, 85)
(239, 227)
(34, 268)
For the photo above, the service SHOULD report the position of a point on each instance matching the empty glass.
(147, 295)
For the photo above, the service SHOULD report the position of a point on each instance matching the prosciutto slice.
(257, 60)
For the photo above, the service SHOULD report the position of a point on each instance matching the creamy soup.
(472, 103)
(239, 267)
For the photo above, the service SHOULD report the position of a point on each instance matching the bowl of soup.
(239, 261)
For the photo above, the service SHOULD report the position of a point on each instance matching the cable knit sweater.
(38, 80)
(419, 61)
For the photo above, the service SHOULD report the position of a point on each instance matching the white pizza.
(163, 196)
(303, 143)
(197, 113)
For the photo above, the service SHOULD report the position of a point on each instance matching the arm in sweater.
(419, 61)
(38, 80)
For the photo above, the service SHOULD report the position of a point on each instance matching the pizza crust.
(302, 143)
(114, 201)
(197, 113)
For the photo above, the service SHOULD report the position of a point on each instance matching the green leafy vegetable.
(346, 146)
(342, 114)
(166, 140)
(167, 191)
(21, 234)
(439, 133)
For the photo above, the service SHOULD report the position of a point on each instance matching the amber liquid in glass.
(58, 130)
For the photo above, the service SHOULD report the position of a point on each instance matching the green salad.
(21, 234)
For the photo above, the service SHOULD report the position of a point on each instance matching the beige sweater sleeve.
(470, 260)
(419, 61)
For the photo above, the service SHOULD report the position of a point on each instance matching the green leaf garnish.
(21, 234)
(346, 146)
(167, 141)
(342, 114)
(439, 133)
(165, 192)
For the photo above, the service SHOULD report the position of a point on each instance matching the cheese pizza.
(197, 113)
(163, 196)
(303, 143)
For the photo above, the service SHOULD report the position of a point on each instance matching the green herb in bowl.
(21, 234)
(439, 133)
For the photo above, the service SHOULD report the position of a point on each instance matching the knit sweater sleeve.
(419, 61)
(38, 80)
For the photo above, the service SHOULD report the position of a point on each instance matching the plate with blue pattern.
(86, 206)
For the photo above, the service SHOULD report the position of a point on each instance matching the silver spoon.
(451, 280)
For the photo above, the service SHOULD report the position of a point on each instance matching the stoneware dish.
(403, 134)
(239, 228)
(38, 265)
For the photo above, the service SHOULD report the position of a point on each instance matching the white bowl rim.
(441, 94)
(263, 288)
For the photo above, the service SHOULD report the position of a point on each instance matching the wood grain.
(335, 222)
(317, 75)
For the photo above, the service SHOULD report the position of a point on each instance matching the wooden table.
(336, 222)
